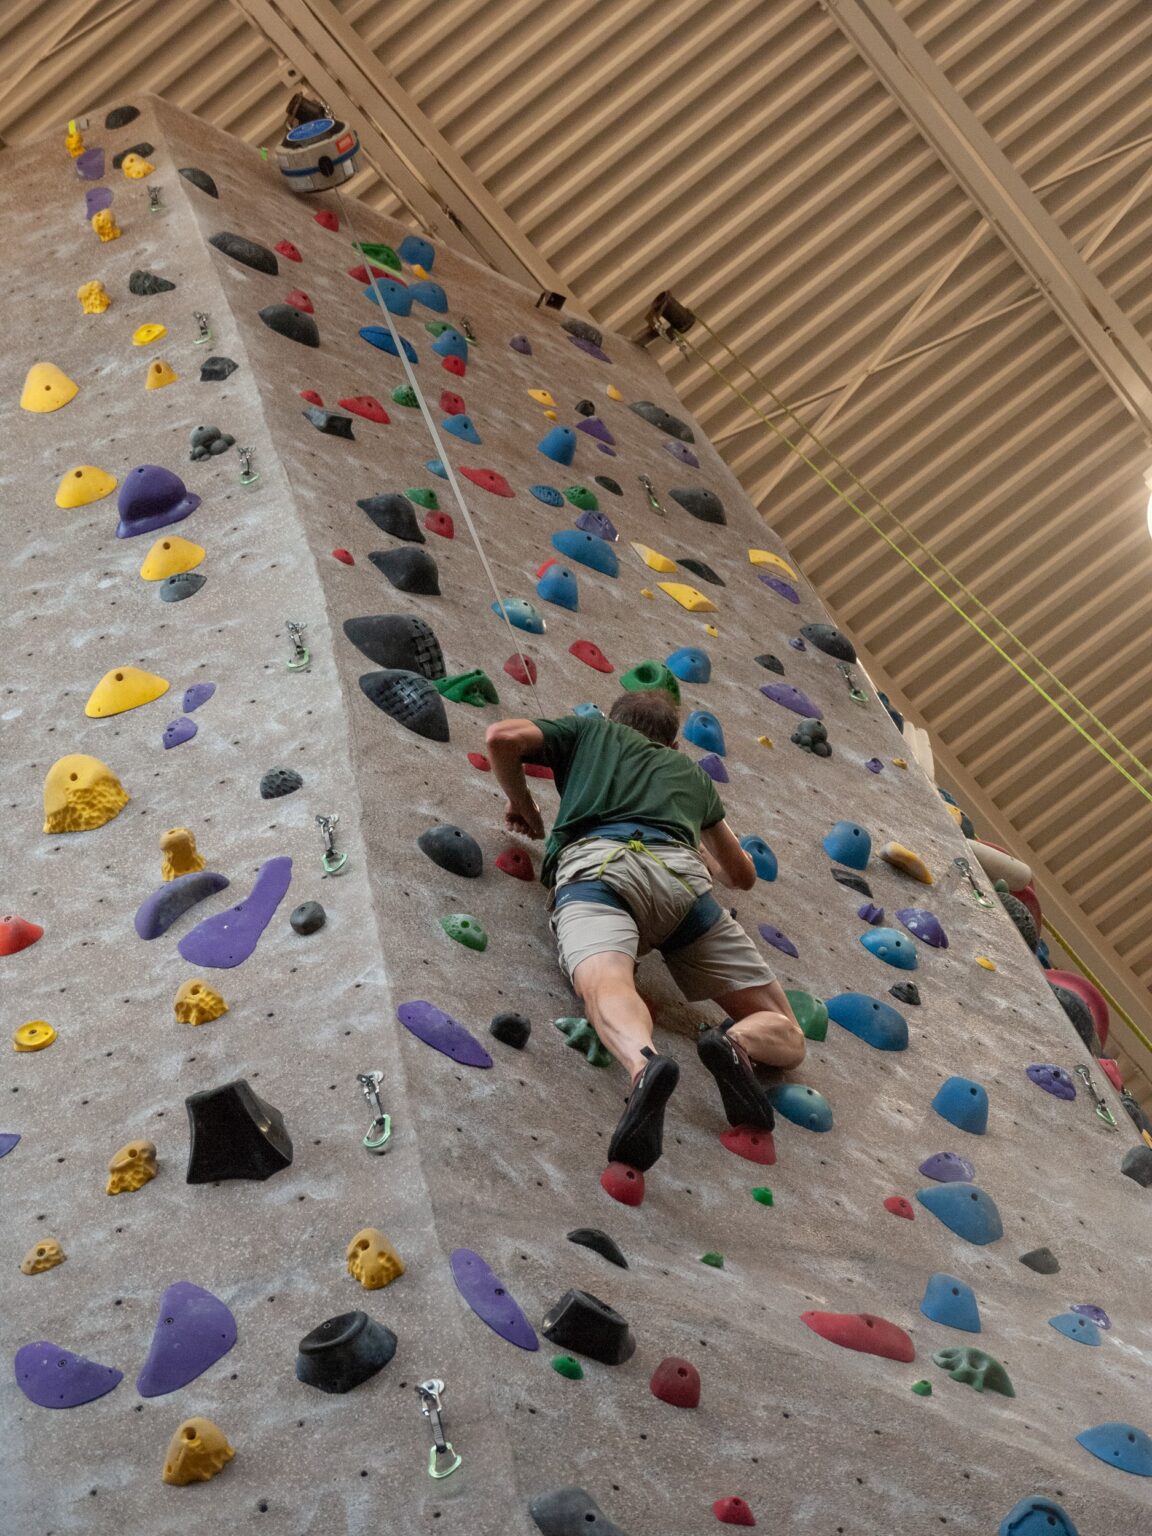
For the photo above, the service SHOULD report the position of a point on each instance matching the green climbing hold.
(651, 674)
(582, 498)
(423, 497)
(716, 1260)
(474, 687)
(566, 1365)
(382, 255)
(436, 327)
(582, 1037)
(811, 1014)
(922, 1388)
(975, 1369)
(763, 1195)
(404, 394)
(465, 930)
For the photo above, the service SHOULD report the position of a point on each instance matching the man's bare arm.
(725, 858)
(509, 742)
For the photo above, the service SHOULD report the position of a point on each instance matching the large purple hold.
(179, 731)
(1053, 1080)
(923, 925)
(439, 1030)
(53, 1377)
(227, 939)
(1090, 1310)
(590, 347)
(714, 767)
(598, 524)
(778, 940)
(96, 199)
(488, 1298)
(193, 1330)
(782, 588)
(682, 452)
(156, 914)
(90, 165)
(197, 694)
(792, 698)
(8, 1140)
(948, 1168)
(595, 428)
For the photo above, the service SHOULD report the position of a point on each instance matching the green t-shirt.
(607, 772)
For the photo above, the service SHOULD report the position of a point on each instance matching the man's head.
(650, 711)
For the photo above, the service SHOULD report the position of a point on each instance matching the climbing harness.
(247, 473)
(204, 332)
(430, 1407)
(379, 1133)
(334, 863)
(855, 692)
(650, 492)
(982, 900)
(154, 203)
(1103, 1113)
(301, 656)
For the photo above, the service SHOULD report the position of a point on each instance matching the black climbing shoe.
(745, 1102)
(638, 1139)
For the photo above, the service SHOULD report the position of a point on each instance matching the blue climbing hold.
(559, 445)
(588, 709)
(450, 343)
(397, 299)
(966, 1210)
(415, 251)
(803, 1106)
(548, 494)
(460, 426)
(690, 664)
(558, 585)
(951, 1302)
(380, 336)
(1082, 1330)
(891, 947)
(1036, 1517)
(877, 1024)
(764, 861)
(599, 524)
(714, 767)
(436, 467)
(1120, 1445)
(431, 295)
(8, 1140)
(963, 1104)
(703, 730)
(521, 613)
(586, 548)
(848, 844)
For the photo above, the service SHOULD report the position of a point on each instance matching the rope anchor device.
(317, 152)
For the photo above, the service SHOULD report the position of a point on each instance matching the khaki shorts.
(658, 895)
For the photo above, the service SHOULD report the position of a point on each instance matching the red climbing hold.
(900, 1207)
(751, 1142)
(367, 406)
(441, 523)
(537, 771)
(515, 862)
(1111, 1071)
(591, 655)
(17, 933)
(860, 1330)
(453, 365)
(623, 1183)
(288, 250)
(540, 569)
(327, 220)
(488, 479)
(312, 397)
(452, 405)
(300, 300)
(522, 669)
(360, 274)
(733, 1511)
(342, 554)
(677, 1382)
(478, 760)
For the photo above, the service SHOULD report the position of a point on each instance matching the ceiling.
(745, 156)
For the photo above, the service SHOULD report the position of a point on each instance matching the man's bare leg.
(606, 984)
(765, 1026)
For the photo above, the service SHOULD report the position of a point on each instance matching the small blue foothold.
(8, 1140)
(558, 585)
(586, 548)
(690, 664)
(951, 1302)
(415, 251)
(436, 467)
(588, 709)
(431, 295)
(891, 947)
(450, 343)
(460, 426)
(380, 336)
(548, 494)
(703, 730)
(559, 445)
(1082, 1330)
(877, 1024)
(963, 1104)
(763, 859)
(521, 613)
(1120, 1445)
(1037, 1517)
(848, 844)
(966, 1210)
(396, 298)
(803, 1106)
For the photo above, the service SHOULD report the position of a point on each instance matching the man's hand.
(525, 819)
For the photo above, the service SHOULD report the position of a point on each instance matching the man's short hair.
(650, 711)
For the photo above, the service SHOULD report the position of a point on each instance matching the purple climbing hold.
(179, 731)
(197, 694)
(948, 1168)
(521, 344)
(778, 940)
(797, 644)
(490, 1300)
(96, 199)
(193, 1330)
(682, 452)
(8, 1140)
(782, 588)
(869, 913)
(90, 165)
(597, 523)
(52, 1377)
(874, 765)
(714, 767)
(152, 497)
(1053, 1080)
(439, 1030)
(227, 939)
(156, 913)
(596, 428)
(792, 698)
(590, 347)
(1097, 1314)
(923, 925)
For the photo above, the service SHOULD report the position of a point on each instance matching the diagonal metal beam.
(921, 88)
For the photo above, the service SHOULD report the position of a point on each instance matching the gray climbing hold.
(705, 572)
(145, 284)
(827, 638)
(1137, 1164)
(511, 1029)
(278, 782)
(174, 589)
(200, 179)
(453, 849)
(398, 640)
(409, 570)
(1078, 1012)
(120, 117)
(772, 663)
(664, 422)
(599, 1242)
(249, 253)
(394, 514)
(571, 1512)
(411, 700)
(331, 422)
(701, 503)
(287, 320)
(215, 369)
(1042, 1260)
(584, 330)
(1020, 915)
(143, 149)
(208, 442)
(308, 917)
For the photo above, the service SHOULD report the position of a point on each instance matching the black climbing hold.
(145, 284)
(571, 1512)
(175, 588)
(906, 992)
(394, 514)
(827, 638)
(1137, 1164)
(453, 849)
(409, 570)
(308, 917)
(398, 640)
(278, 782)
(200, 179)
(509, 1028)
(1078, 1012)
(853, 881)
(773, 663)
(897, 717)
(287, 320)
(143, 149)
(234, 1135)
(584, 330)
(120, 117)
(332, 422)
(701, 503)
(583, 1323)
(214, 369)
(343, 1352)
(661, 419)
(1020, 915)
(599, 1242)
(1042, 1260)
(585, 407)
(411, 700)
(606, 483)
(705, 572)
(249, 253)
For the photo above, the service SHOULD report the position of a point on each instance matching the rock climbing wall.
(494, 1149)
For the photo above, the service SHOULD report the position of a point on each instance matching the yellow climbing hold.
(984, 963)
(145, 335)
(907, 862)
(84, 484)
(687, 597)
(122, 689)
(196, 1452)
(135, 167)
(178, 855)
(765, 741)
(898, 762)
(46, 389)
(45, 1255)
(93, 296)
(372, 1259)
(159, 374)
(106, 226)
(646, 592)
(73, 143)
(541, 397)
(420, 272)
(766, 557)
(170, 556)
(198, 1003)
(131, 1168)
(710, 629)
(955, 812)
(36, 1035)
(613, 393)
(551, 416)
(81, 793)
(653, 559)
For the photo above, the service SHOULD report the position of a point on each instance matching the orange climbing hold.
(488, 479)
(17, 933)
(367, 406)
(623, 1183)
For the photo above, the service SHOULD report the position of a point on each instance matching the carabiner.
(379, 1133)
(301, 656)
(430, 1407)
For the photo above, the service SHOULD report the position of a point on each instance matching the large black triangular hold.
(410, 699)
(398, 640)
(393, 513)
(588, 1326)
(705, 572)
(409, 570)
(234, 1135)
(701, 503)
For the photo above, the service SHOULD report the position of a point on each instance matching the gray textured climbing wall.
(816, 1438)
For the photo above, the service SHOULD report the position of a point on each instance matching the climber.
(637, 842)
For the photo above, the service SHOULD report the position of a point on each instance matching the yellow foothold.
(984, 963)
(36, 1035)
(372, 1259)
(170, 556)
(907, 862)
(81, 793)
(551, 416)
(196, 1452)
(613, 393)
(420, 272)
(86, 483)
(131, 1168)
(645, 592)
(653, 559)
(198, 1003)
(122, 689)
(955, 812)
(541, 397)
(46, 388)
(710, 629)
(144, 335)
(73, 143)
(765, 741)
(93, 296)
(135, 167)
(766, 557)
(106, 226)
(898, 762)
(178, 855)
(45, 1255)
(687, 597)
(159, 374)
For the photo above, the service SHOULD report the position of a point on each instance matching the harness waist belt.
(627, 831)
(702, 916)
